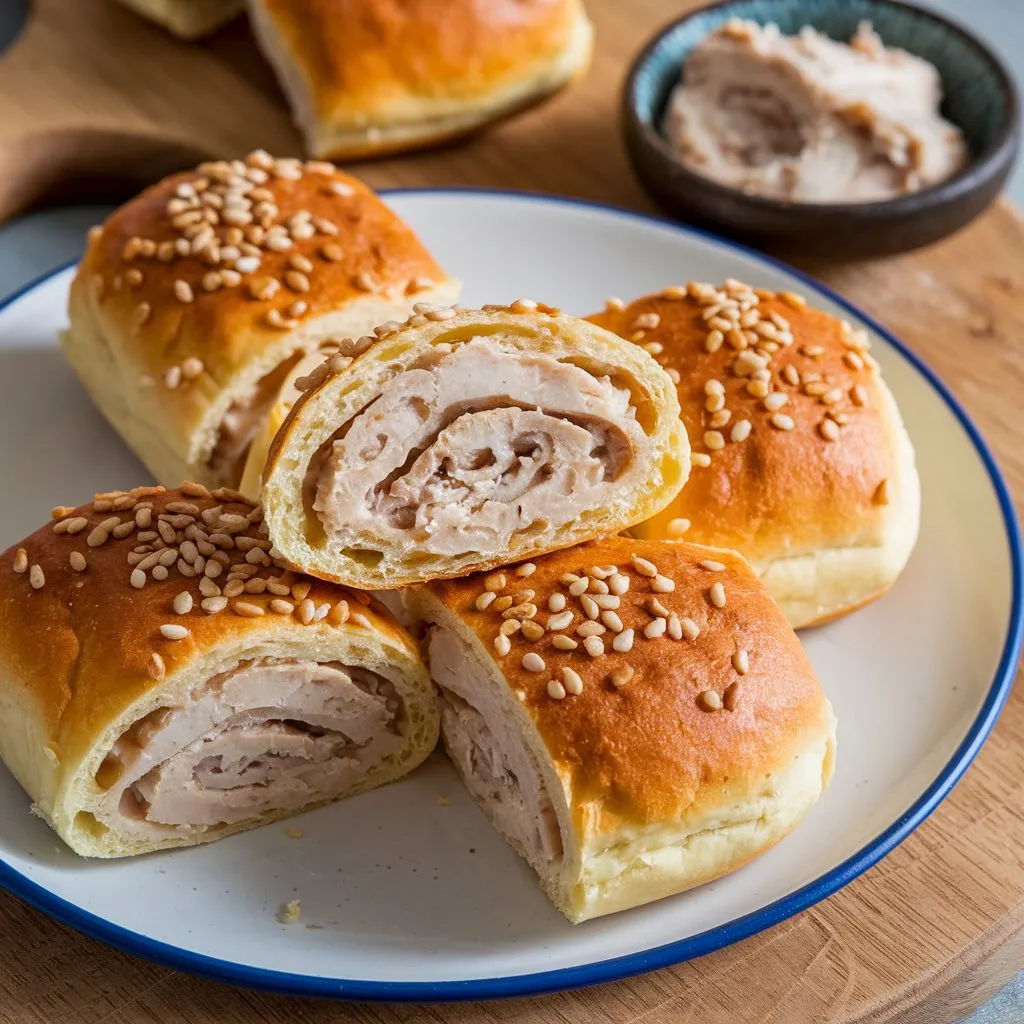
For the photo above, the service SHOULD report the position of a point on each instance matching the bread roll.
(164, 682)
(366, 77)
(801, 460)
(194, 301)
(468, 439)
(188, 19)
(635, 717)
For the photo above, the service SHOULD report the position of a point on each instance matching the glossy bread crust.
(174, 318)
(370, 78)
(816, 465)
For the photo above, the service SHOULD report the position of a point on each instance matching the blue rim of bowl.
(979, 168)
(661, 956)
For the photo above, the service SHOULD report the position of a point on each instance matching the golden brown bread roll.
(372, 76)
(164, 682)
(635, 717)
(194, 301)
(188, 19)
(469, 438)
(801, 460)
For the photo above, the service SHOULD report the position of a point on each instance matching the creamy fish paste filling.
(474, 444)
(498, 769)
(265, 736)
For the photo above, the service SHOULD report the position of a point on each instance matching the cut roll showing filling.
(467, 439)
(655, 726)
(196, 302)
(152, 701)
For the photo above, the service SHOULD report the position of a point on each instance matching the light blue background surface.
(35, 244)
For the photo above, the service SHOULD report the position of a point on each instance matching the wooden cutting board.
(91, 97)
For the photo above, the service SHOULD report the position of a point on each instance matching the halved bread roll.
(379, 77)
(635, 717)
(195, 301)
(467, 439)
(164, 682)
(802, 462)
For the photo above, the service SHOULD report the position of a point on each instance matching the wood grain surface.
(90, 95)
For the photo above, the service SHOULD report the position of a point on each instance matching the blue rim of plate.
(673, 952)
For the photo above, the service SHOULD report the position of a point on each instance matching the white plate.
(406, 898)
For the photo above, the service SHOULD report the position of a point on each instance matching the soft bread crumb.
(290, 912)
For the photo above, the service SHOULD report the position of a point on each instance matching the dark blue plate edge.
(674, 952)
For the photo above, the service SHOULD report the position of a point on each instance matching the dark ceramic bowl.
(979, 97)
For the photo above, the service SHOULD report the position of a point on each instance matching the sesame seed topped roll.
(465, 439)
(195, 302)
(379, 77)
(635, 717)
(800, 458)
(164, 681)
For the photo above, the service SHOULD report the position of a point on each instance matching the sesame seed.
(183, 291)
(714, 402)
(560, 621)
(564, 643)
(213, 605)
(720, 418)
(618, 584)
(621, 676)
(590, 628)
(580, 586)
(306, 611)
(20, 561)
(598, 586)
(510, 626)
(594, 646)
(663, 585)
(532, 630)
(526, 569)
(829, 429)
(859, 395)
(590, 608)
(556, 691)
(881, 495)
(713, 341)
(231, 589)
(365, 281)
(781, 421)
(612, 621)
(281, 607)
(775, 401)
(655, 628)
(556, 602)
(76, 525)
(297, 281)
(173, 631)
(831, 397)
(192, 368)
(159, 572)
(572, 680)
(252, 611)
(741, 661)
(137, 578)
(331, 252)
(97, 536)
(182, 603)
(77, 561)
(791, 375)
(623, 641)
(496, 581)
(36, 577)
(502, 644)
(690, 628)
(740, 431)
(172, 378)
(716, 595)
(757, 388)
(643, 566)
(156, 667)
(655, 607)
(709, 700)
(677, 527)
(248, 265)
(793, 300)
(711, 565)
(674, 627)
(533, 662)
(484, 600)
(606, 601)
(714, 440)
(701, 459)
